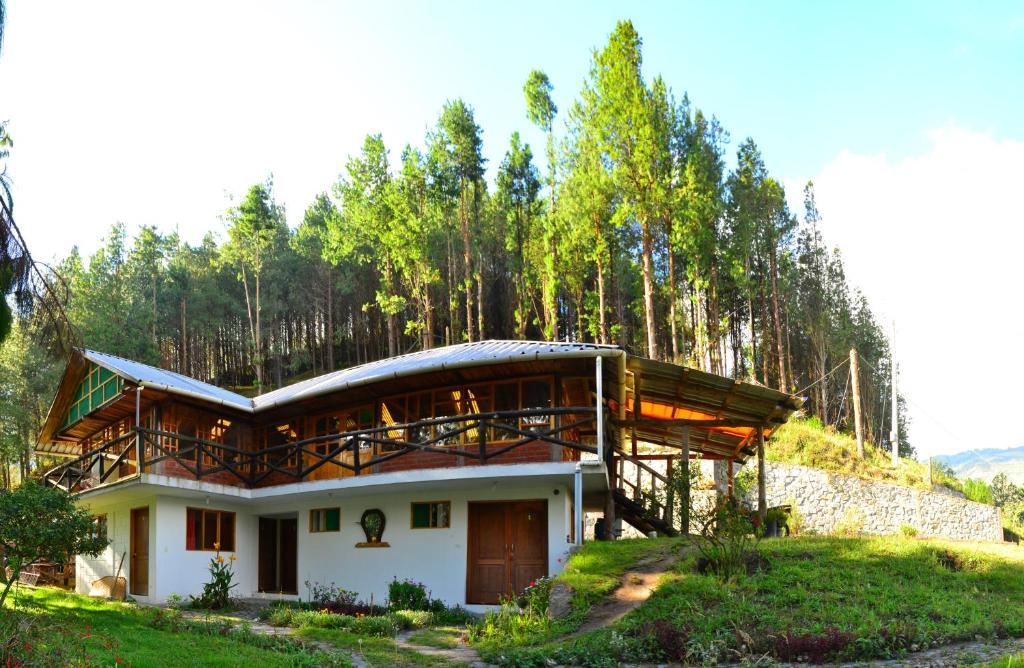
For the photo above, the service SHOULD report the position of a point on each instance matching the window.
(209, 530)
(99, 527)
(431, 515)
(324, 519)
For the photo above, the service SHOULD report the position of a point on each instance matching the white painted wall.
(89, 569)
(184, 572)
(435, 557)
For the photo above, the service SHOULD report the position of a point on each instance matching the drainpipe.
(600, 407)
(578, 502)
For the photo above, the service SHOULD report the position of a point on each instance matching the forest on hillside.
(626, 227)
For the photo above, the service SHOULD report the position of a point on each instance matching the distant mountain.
(988, 462)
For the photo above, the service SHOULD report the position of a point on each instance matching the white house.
(467, 468)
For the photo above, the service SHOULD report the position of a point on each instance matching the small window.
(324, 519)
(99, 527)
(431, 515)
(209, 530)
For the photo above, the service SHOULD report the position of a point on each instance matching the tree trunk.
(773, 269)
(467, 260)
(648, 269)
(602, 333)
(672, 293)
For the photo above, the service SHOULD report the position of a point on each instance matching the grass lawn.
(382, 652)
(63, 628)
(445, 637)
(820, 598)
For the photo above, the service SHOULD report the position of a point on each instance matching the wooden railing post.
(482, 442)
(197, 450)
(355, 455)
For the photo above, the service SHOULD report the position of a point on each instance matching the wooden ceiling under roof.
(722, 414)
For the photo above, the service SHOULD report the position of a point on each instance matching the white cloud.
(936, 242)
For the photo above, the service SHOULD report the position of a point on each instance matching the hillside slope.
(807, 443)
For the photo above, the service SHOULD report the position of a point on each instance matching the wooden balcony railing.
(480, 437)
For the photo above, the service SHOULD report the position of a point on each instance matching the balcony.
(499, 437)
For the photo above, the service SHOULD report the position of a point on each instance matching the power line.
(837, 367)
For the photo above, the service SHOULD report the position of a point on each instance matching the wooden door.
(288, 540)
(508, 548)
(278, 570)
(529, 542)
(138, 567)
(267, 577)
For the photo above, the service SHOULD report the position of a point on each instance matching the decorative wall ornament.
(373, 523)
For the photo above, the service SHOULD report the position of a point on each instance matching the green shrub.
(908, 531)
(977, 490)
(217, 592)
(411, 595)
(851, 525)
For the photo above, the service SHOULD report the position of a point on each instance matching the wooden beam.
(684, 463)
(762, 503)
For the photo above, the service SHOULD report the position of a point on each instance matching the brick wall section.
(534, 452)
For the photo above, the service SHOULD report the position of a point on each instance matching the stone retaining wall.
(827, 500)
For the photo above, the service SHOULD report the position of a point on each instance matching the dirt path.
(462, 655)
(635, 587)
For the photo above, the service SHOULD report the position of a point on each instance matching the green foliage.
(977, 490)
(77, 630)
(727, 539)
(411, 595)
(217, 592)
(851, 599)
(908, 531)
(851, 525)
(39, 522)
(1004, 492)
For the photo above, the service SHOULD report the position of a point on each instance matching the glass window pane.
(227, 532)
(333, 520)
(420, 515)
(209, 529)
(439, 515)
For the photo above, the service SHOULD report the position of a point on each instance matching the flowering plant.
(217, 592)
(535, 596)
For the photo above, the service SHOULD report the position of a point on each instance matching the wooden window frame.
(324, 510)
(202, 530)
(429, 514)
(99, 522)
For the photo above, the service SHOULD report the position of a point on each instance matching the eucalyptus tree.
(418, 227)
(630, 132)
(541, 110)
(518, 187)
(459, 146)
(587, 204)
(255, 226)
(310, 242)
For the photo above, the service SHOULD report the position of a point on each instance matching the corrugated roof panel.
(143, 374)
(436, 359)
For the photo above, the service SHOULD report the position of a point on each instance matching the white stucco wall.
(183, 572)
(436, 557)
(88, 569)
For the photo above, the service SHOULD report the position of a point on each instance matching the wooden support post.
(858, 421)
(670, 493)
(481, 446)
(138, 433)
(599, 388)
(355, 456)
(894, 436)
(729, 474)
(762, 497)
(684, 464)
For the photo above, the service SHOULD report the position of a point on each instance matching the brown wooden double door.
(508, 548)
(278, 552)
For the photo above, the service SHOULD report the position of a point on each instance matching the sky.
(908, 116)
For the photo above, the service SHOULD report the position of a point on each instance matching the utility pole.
(894, 435)
(858, 423)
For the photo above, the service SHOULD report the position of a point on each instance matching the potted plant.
(372, 522)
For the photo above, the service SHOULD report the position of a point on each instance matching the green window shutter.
(333, 520)
(420, 515)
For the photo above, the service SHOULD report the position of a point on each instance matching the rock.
(559, 600)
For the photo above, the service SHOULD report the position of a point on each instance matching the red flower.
(533, 582)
